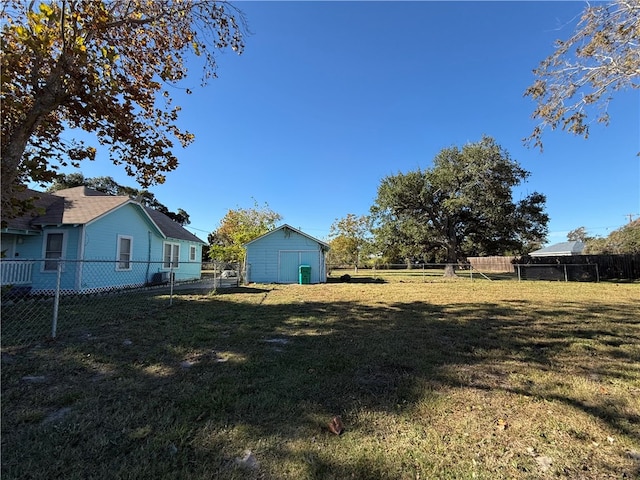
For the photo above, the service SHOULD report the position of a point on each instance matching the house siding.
(100, 249)
(93, 225)
(101, 243)
(97, 244)
(275, 258)
(32, 248)
(186, 270)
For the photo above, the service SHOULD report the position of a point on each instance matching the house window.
(192, 253)
(54, 247)
(171, 255)
(125, 252)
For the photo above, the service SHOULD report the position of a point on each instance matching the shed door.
(290, 260)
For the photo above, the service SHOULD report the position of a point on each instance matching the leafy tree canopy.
(349, 240)
(580, 77)
(461, 207)
(109, 186)
(106, 67)
(579, 234)
(625, 240)
(238, 227)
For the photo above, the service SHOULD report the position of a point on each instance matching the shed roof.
(285, 226)
(560, 249)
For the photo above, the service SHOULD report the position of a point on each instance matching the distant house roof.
(285, 226)
(560, 249)
(82, 205)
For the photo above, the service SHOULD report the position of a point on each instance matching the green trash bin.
(304, 274)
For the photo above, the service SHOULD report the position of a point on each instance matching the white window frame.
(174, 256)
(119, 253)
(44, 250)
(193, 251)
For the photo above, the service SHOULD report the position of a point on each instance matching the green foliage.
(460, 207)
(350, 240)
(578, 235)
(625, 240)
(238, 227)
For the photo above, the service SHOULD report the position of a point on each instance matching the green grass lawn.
(450, 379)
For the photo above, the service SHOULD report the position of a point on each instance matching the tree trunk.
(449, 270)
(452, 247)
(15, 140)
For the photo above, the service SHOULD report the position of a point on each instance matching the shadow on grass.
(150, 381)
(356, 279)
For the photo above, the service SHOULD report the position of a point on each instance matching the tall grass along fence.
(45, 298)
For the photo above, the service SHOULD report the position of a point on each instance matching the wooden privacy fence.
(495, 264)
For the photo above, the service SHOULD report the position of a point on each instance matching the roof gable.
(283, 227)
(83, 205)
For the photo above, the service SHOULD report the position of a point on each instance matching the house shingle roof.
(46, 205)
(170, 228)
(81, 205)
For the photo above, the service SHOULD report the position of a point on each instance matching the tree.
(578, 235)
(602, 57)
(624, 240)
(239, 227)
(462, 206)
(349, 239)
(109, 186)
(106, 67)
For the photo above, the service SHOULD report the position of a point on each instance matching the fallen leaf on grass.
(544, 463)
(501, 424)
(336, 426)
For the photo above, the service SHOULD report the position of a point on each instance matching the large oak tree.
(106, 67)
(462, 206)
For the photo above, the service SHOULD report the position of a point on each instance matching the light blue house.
(276, 257)
(100, 241)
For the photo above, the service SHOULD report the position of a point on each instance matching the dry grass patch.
(432, 379)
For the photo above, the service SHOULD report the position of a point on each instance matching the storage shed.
(276, 257)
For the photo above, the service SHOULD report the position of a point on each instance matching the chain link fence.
(428, 272)
(42, 299)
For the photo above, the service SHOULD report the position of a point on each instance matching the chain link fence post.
(56, 301)
(171, 281)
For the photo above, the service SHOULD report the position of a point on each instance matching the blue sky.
(331, 97)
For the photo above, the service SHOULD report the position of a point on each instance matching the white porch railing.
(16, 272)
